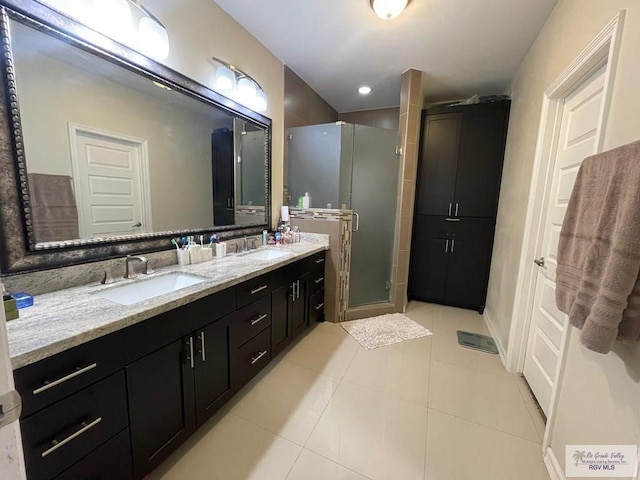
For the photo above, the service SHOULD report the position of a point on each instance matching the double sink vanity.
(107, 153)
(114, 378)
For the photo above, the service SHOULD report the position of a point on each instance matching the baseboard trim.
(553, 467)
(489, 323)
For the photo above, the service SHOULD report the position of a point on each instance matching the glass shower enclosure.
(355, 167)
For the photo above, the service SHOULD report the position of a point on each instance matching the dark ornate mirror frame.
(19, 252)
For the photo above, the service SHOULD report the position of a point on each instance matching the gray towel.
(597, 279)
(53, 208)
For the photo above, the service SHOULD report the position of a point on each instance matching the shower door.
(374, 192)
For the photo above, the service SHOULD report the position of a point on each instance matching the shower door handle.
(356, 226)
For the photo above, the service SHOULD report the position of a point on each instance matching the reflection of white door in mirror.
(111, 182)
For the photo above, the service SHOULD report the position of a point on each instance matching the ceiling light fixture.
(126, 21)
(388, 9)
(364, 90)
(239, 86)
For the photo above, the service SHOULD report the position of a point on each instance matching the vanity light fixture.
(364, 90)
(126, 21)
(388, 9)
(239, 86)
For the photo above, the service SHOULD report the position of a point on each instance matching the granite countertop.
(64, 319)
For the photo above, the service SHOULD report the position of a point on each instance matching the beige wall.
(200, 29)
(388, 118)
(599, 395)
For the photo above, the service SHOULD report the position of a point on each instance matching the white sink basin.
(142, 290)
(269, 254)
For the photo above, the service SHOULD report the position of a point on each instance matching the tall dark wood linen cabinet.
(458, 185)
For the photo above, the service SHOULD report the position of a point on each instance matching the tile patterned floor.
(327, 409)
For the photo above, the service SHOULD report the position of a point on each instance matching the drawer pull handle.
(258, 319)
(318, 307)
(320, 260)
(451, 219)
(79, 371)
(58, 444)
(259, 289)
(258, 357)
(318, 280)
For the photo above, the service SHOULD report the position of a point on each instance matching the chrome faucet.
(245, 244)
(130, 272)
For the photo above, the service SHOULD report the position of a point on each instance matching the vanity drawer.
(111, 461)
(45, 382)
(57, 437)
(250, 320)
(253, 289)
(316, 263)
(250, 358)
(316, 305)
(316, 281)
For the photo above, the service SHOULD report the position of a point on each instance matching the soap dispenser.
(306, 200)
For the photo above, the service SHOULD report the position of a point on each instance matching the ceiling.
(463, 46)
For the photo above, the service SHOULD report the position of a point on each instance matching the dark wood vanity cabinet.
(116, 407)
(161, 404)
(298, 301)
(459, 173)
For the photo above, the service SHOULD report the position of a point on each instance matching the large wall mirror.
(109, 152)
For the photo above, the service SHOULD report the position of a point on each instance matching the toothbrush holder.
(183, 257)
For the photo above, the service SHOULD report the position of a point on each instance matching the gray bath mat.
(374, 332)
(476, 341)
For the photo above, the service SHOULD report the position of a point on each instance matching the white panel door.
(109, 188)
(576, 140)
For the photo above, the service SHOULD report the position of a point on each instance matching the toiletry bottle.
(306, 200)
(265, 237)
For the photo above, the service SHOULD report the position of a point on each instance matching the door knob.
(137, 224)
(539, 261)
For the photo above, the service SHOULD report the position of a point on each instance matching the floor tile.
(311, 466)
(491, 399)
(539, 421)
(326, 349)
(232, 449)
(447, 349)
(374, 434)
(288, 401)
(461, 450)
(400, 370)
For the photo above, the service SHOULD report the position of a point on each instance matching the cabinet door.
(428, 268)
(438, 163)
(213, 375)
(161, 404)
(297, 310)
(280, 325)
(468, 273)
(482, 143)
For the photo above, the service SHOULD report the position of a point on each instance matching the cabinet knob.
(539, 261)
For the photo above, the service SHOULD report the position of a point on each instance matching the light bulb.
(113, 19)
(246, 92)
(153, 39)
(389, 9)
(71, 8)
(225, 80)
(261, 102)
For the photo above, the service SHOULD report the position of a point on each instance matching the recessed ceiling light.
(364, 90)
